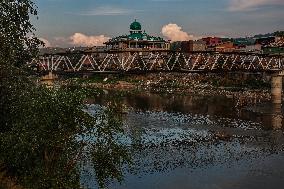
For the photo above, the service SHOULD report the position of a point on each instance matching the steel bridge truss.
(158, 61)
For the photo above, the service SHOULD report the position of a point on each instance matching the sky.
(92, 22)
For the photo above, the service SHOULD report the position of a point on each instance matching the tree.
(279, 34)
(44, 133)
(17, 41)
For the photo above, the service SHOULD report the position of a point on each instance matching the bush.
(39, 130)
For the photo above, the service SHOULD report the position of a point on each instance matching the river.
(198, 142)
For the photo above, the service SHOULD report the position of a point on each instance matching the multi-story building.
(137, 40)
(251, 48)
(212, 41)
(225, 47)
(188, 46)
(276, 47)
(265, 41)
(191, 46)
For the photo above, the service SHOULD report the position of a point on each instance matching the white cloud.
(79, 39)
(46, 42)
(174, 33)
(246, 5)
(108, 11)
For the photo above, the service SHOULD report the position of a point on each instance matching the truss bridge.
(149, 61)
(163, 61)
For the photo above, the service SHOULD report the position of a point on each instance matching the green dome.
(135, 26)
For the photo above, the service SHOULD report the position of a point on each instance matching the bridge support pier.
(49, 78)
(276, 89)
(276, 116)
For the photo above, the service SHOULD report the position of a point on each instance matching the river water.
(190, 141)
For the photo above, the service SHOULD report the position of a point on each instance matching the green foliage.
(32, 142)
(17, 42)
(279, 34)
(106, 151)
(40, 127)
(39, 135)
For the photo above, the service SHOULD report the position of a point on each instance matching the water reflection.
(173, 103)
(176, 140)
(221, 107)
(277, 116)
